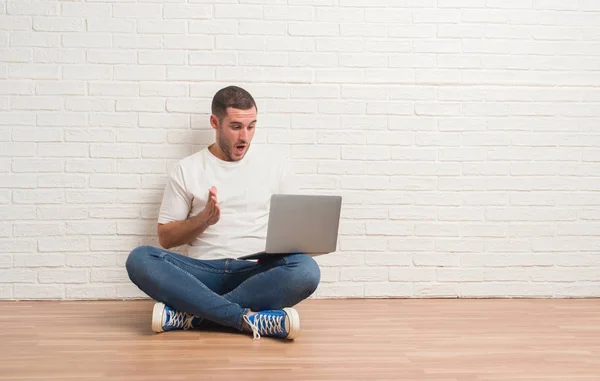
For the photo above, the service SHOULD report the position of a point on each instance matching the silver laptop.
(301, 224)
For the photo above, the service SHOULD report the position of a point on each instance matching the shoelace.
(180, 319)
(265, 324)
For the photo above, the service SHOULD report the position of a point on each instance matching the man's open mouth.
(240, 148)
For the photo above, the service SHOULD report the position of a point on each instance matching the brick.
(365, 182)
(340, 290)
(91, 260)
(35, 291)
(113, 181)
(185, 73)
(15, 212)
(97, 24)
(262, 59)
(17, 275)
(438, 139)
(16, 54)
(411, 244)
(292, 13)
(61, 181)
(63, 244)
(22, 87)
(410, 154)
(161, 27)
(91, 228)
(62, 212)
(412, 183)
(290, 44)
(166, 152)
(121, 119)
(109, 276)
(17, 149)
(38, 196)
(37, 260)
(187, 105)
(363, 274)
(53, 55)
(530, 214)
(343, 44)
(86, 10)
(436, 260)
(94, 292)
(14, 23)
(135, 136)
(35, 7)
(90, 166)
(63, 276)
(461, 3)
(412, 213)
(119, 150)
(188, 11)
(90, 197)
(62, 150)
(58, 24)
(329, 14)
(461, 184)
(19, 181)
(436, 230)
(338, 75)
(226, 11)
(139, 73)
(144, 42)
(163, 89)
(111, 56)
(389, 228)
(459, 275)
(130, 291)
(204, 137)
(88, 72)
(137, 11)
(485, 198)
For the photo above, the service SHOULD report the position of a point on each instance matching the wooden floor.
(442, 340)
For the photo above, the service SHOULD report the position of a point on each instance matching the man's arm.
(178, 233)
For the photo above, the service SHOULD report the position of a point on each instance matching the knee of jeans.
(136, 259)
(309, 270)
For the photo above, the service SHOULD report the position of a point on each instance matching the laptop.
(301, 224)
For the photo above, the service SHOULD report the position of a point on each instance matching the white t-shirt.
(244, 191)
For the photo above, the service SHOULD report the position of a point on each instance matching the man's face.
(234, 133)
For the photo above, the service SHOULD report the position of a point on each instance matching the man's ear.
(214, 121)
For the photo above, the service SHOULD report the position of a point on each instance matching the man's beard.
(225, 148)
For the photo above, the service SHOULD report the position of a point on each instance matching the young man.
(217, 201)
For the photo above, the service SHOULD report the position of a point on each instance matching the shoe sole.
(294, 320)
(157, 313)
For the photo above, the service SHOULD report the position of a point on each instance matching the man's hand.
(177, 233)
(212, 210)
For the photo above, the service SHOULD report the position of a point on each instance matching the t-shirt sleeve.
(176, 202)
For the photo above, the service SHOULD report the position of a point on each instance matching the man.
(217, 201)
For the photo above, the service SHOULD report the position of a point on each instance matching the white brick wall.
(464, 135)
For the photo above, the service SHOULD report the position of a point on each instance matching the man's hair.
(231, 96)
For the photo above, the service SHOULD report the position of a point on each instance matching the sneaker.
(164, 318)
(276, 323)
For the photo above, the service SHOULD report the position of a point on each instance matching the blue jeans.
(222, 290)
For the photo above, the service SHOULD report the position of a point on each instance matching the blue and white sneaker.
(164, 318)
(276, 323)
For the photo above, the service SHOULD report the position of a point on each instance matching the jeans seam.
(240, 326)
(175, 259)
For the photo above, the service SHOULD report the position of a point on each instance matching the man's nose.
(243, 134)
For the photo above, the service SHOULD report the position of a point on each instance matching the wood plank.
(373, 339)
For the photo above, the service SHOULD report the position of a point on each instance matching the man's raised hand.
(212, 210)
